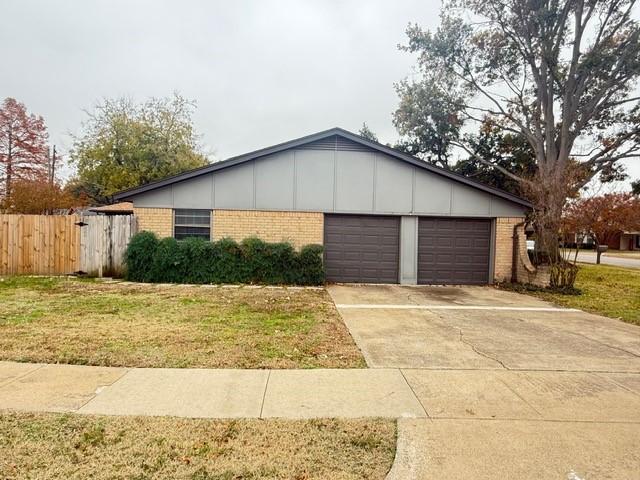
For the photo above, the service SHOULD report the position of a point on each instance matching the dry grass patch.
(603, 289)
(47, 446)
(60, 320)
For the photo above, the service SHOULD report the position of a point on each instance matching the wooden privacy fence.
(64, 244)
(103, 241)
(39, 244)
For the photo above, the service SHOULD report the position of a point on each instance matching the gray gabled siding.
(340, 181)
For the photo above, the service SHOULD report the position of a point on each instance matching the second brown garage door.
(361, 248)
(453, 251)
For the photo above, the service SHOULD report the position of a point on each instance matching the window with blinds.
(191, 223)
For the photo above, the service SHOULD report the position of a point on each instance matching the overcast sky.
(261, 71)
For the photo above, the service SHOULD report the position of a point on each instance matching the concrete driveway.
(481, 328)
(513, 387)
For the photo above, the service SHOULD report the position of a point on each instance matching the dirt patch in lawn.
(77, 447)
(60, 320)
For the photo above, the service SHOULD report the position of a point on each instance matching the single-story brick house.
(382, 216)
(625, 241)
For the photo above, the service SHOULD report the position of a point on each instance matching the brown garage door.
(453, 251)
(361, 248)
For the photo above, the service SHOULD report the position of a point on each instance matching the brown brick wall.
(156, 220)
(303, 228)
(299, 228)
(504, 247)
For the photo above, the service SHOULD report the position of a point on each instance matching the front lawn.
(48, 446)
(66, 320)
(606, 290)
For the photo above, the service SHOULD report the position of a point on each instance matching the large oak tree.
(494, 151)
(560, 73)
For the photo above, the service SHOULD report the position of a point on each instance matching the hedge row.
(196, 260)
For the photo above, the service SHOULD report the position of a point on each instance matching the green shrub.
(270, 263)
(166, 266)
(139, 256)
(195, 260)
(310, 268)
(227, 263)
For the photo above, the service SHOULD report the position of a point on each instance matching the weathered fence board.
(103, 241)
(39, 244)
(57, 244)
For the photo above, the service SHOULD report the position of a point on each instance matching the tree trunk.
(548, 193)
(547, 225)
(7, 188)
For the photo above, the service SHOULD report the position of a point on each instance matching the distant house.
(383, 216)
(619, 241)
(625, 241)
(570, 240)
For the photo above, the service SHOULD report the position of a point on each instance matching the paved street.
(591, 257)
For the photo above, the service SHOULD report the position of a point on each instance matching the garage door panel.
(333, 237)
(443, 259)
(462, 242)
(462, 260)
(388, 239)
(453, 250)
(361, 248)
(352, 257)
(481, 243)
(364, 248)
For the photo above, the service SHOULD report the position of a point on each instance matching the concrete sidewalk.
(391, 393)
(484, 424)
(204, 393)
